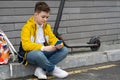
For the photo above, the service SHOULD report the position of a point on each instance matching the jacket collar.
(31, 20)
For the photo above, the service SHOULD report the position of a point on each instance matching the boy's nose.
(45, 19)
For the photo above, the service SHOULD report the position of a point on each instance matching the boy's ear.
(35, 14)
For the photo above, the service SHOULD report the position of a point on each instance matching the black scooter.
(94, 43)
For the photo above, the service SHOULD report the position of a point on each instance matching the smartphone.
(58, 42)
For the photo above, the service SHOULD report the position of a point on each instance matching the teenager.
(39, 41)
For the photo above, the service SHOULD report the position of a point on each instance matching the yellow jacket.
(28, 35)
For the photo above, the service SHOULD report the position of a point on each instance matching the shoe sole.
(39, 77)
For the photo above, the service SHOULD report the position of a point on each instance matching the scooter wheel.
(95, 40)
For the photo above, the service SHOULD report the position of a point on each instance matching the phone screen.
(58, 42)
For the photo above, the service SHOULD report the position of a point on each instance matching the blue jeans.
(46, 60)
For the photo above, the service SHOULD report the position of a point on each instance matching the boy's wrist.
(42, 49)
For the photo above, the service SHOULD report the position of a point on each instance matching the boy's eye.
(44, 17)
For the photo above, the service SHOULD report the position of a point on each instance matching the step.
(15, 70)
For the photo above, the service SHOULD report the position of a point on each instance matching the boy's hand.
(59, 46)
(49, 48)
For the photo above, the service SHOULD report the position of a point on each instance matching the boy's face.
(41, 17)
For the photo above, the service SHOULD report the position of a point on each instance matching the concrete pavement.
(106, 53)
(104, 71)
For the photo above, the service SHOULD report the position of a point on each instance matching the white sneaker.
(59, 73)
(40, 73)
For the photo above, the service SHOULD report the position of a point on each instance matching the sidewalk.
(106, 53)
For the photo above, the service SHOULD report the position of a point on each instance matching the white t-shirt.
(40, 35)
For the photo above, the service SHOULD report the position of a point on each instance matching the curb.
(15, 70)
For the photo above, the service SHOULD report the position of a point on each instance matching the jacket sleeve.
(52, 38)
(27, 44)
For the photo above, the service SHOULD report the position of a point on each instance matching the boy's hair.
(41, 6)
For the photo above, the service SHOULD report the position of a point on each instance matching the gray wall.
(81, 19)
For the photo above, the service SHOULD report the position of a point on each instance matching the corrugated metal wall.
(85, 19)
(81, 19)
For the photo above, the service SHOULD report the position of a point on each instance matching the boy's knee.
(65, 49)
